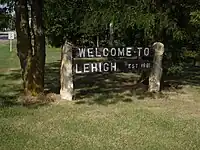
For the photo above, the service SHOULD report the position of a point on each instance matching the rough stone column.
(66, 73)
(156, 71)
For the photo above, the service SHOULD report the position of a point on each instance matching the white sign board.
(11, 36)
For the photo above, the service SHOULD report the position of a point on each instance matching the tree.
(6, 19)
(32, 56)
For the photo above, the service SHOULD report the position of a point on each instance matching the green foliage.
(63, 20)
(175, 70)
(5, 18)
(192, 54)
(195, 17)
(151, 21)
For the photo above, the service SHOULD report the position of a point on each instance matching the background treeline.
(175, 23)
(100, 23)
(135, 23)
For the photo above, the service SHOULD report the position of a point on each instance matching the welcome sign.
(115, 59)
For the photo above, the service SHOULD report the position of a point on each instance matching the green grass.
(8, 59)
(136, 125)
(107, 116)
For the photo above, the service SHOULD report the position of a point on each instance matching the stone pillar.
(66, 72)
(156, 71)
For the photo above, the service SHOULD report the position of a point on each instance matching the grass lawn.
(110, 113)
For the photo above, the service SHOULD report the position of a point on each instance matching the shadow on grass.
(189, 76)
(9, 88)
(99, 88)
(11, 92)
(105, 88)
(52, 77)
(110, 88)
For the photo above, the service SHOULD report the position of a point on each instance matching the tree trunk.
(32, 65)
(39, 44)
(66, 73)
(24, 48)
(156, 72)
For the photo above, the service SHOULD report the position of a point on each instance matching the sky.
(2, 6)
